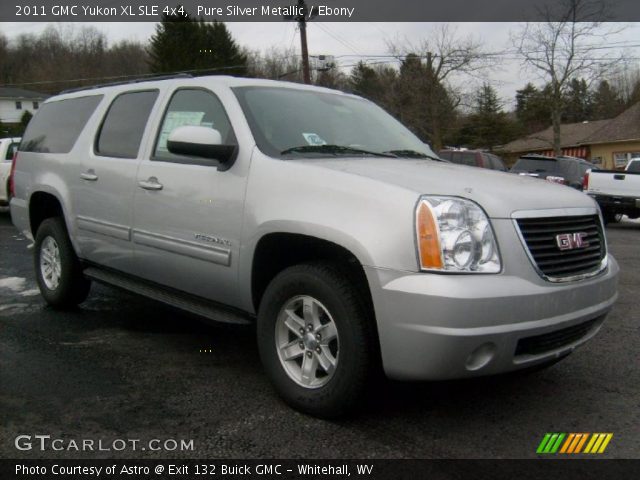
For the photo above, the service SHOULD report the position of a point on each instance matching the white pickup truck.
(8, 146)
(617, 192)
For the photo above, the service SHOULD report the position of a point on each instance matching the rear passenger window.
(468, 158)
(123, 126)
(192, 107)
(58, 124)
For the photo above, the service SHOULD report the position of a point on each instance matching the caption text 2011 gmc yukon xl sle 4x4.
(319, 217)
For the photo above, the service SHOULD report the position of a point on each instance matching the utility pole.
(302, 19)
(302, 24)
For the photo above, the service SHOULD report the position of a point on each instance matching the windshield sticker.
(174, 120)
(313, 139)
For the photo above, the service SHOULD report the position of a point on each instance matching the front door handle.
(89, 175)
(151, 184)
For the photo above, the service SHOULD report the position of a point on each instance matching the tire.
(62, 284)
(608, 217)
(329, 297)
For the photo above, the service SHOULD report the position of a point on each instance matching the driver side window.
(192, 107)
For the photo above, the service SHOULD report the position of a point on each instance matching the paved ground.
(125, 367)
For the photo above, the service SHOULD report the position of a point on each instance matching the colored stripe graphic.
(573, 443)
(581, 443)
(567, 442)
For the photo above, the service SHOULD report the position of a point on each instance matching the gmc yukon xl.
(317, 216)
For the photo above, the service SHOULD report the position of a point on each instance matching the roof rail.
(150, 78)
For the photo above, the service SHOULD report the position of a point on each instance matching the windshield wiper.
(413, 154)
(335, 150)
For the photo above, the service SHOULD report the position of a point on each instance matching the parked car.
(474, 158)
(8, 146)
(317, 216)
(563, 170)
(617, 192)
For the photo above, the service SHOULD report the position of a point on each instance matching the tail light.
(585, 181)
(12, 188)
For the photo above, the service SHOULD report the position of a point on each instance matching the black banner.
(320, 10)
(330, 469)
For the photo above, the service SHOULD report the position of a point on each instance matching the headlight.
(454, 235)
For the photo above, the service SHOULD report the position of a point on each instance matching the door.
(187, 212)
(104, 197)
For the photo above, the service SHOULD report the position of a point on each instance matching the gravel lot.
(125, 367)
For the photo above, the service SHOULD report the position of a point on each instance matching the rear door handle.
(151, 184)
(89, 175)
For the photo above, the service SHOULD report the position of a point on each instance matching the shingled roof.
(571, 134)
(625, 126)
(18, 93)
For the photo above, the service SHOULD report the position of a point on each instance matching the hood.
(499, 193)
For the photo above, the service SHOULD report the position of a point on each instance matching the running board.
(188, 303)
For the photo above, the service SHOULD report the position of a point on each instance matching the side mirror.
(197, 141)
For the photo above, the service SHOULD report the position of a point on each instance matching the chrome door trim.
(109, 229)
(209, 253)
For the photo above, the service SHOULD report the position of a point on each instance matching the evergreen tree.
(182, 44)
(364, 81)
(26, 118)
(488, 125)
(425, 104)
(607, 103)
(578, 105)
(533, 108)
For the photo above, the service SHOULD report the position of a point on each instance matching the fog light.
(481, 356)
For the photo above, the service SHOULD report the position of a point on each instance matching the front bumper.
(435, 327)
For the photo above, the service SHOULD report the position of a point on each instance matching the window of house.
(18, 105)
(620, 159)
(36, 105)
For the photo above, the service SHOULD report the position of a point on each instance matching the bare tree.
(274, 63)
(427, 93)
(565, 46)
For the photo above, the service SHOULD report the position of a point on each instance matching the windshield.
(294, 123)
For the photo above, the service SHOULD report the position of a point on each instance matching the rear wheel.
(316, 339)
(58, 271)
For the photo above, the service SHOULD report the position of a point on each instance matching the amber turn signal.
(428, 242)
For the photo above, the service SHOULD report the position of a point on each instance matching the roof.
(625, 126)
(9, 92)
(181, 80)
(571, 134)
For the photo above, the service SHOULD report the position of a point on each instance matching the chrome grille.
(539, 235)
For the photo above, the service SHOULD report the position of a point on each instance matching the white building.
(15, 101)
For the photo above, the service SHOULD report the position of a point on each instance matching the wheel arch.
(276, 251)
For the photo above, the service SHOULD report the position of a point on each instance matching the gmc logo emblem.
(569, 241)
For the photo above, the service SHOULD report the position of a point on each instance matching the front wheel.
(58, 271)
(316, 339)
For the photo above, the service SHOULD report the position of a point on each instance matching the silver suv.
(318, 217)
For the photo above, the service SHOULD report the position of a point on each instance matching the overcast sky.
(346, 40)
